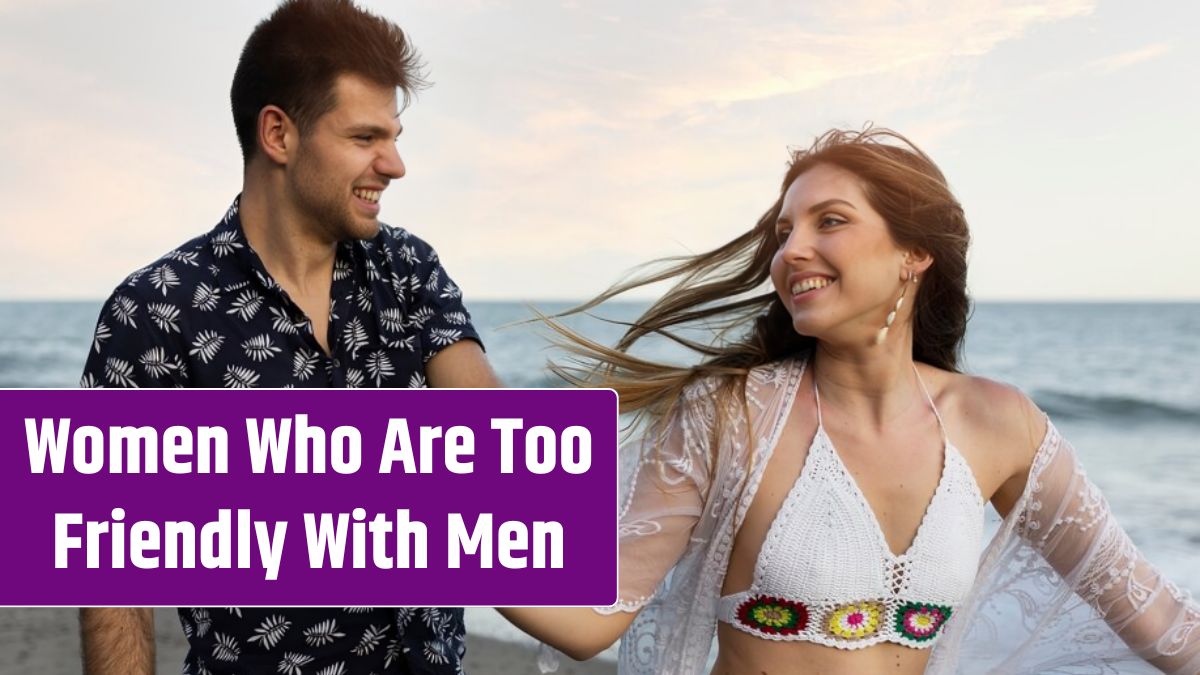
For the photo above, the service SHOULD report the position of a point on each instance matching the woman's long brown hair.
(727, 290)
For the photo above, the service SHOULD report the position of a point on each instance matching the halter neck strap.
(921, 382)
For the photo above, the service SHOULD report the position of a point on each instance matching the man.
(298, 285)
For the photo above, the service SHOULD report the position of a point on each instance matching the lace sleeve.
(1068, 522)
(665, 480)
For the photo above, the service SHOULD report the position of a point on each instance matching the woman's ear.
(918, 260)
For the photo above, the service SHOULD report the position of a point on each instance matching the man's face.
(346, 159)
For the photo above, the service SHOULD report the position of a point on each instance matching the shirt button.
(337, 363)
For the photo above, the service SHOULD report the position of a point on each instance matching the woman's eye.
(782, 235)
(831, 221)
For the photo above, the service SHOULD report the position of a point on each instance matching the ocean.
(1120, 380)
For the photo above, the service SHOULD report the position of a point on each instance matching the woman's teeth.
(809, 284)
(369, 195)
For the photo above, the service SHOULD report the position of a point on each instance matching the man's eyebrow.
(373, 130)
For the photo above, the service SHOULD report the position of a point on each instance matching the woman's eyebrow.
(827, 203)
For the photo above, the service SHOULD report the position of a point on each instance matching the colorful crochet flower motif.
(920, 621)
(773, 616)
(856, 620)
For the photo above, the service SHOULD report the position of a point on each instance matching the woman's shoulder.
(997, 415)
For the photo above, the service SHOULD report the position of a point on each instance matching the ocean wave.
(1111, 409)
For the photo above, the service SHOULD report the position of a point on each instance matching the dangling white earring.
(891, 317)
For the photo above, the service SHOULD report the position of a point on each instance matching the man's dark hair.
(294, 57)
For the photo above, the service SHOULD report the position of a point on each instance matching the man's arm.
(462, 364)
(117, 640)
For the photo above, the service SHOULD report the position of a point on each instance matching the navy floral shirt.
(208, 314)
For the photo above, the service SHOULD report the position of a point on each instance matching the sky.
(562, 143)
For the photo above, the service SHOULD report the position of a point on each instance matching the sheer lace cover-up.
(1060, 588)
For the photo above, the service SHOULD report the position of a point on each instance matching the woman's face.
(837, 270)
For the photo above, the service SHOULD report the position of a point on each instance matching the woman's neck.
(873, 386)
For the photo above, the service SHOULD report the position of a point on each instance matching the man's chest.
(338, 342)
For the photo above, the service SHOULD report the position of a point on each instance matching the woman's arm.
(664, 498)
(578, 632)
(1068, 521)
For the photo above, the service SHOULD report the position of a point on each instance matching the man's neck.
(294, 255)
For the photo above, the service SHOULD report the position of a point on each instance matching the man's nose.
(389, 162)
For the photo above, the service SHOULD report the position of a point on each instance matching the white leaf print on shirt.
(206, 297)
(237, 377)
(102, 334)
(119, 372)
(282, 323)
(408, 254)
(271, 631)
(164, 278)
(156, 363)
(408, 344)
(165, 316)
(224, 243)
(355, 378)
(392, 654)
(323, 633)
(444, 336)
(206, 345)
(363, 298)
(338, 668)
(392, 319)
(246, 305)
(291, 663)
(420, 317)
(226, 648)
(185, 257)
(379, 367)
(124, 309)
(370, 640)
(260, 348)
(203, 622)
(304, 364)
(355, 337)
(436, 651)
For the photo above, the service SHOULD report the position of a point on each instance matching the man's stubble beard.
(327, 204)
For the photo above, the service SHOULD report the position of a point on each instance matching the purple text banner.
(308, 497)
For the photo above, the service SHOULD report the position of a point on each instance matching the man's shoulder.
(187, 265)
(398, 242)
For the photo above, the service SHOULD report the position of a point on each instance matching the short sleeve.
(135, 344)
(436, 302)
(665, 487)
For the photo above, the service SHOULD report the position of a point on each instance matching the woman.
(814, 492)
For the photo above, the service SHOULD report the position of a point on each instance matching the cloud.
(1132, 57)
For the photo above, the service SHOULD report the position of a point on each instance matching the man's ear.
(277, 134)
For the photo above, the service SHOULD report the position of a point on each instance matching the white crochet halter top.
(825, 573)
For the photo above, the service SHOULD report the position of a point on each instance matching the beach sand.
(46, 642)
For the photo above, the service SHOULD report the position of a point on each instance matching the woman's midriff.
(744, 654)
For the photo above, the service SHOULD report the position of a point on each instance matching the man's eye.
(363, 138)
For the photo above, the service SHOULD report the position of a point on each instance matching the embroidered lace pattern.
(1060, 589)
